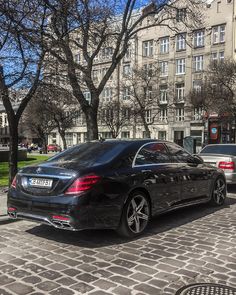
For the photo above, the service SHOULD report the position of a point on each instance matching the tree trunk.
(92, 124)
(13, 149)
(145, 124)
(63, 137)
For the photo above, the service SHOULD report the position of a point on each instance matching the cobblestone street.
(192, 245)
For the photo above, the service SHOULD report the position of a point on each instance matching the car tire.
(135, 215)
(219, 192)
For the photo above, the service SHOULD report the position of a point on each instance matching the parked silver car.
(222, 156)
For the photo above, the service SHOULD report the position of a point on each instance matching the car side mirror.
(195, 159)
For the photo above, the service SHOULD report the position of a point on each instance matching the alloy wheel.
(219, 191)
(138, 213)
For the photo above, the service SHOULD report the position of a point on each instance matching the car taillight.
(227, 165)
(82, 184)
(61, 218)
(13, 184)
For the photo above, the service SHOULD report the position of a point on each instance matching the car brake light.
(227, 165)
(13, 184)
(82, 184)
(62, 218)
(11, 209)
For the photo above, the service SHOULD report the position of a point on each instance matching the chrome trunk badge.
(38, 170)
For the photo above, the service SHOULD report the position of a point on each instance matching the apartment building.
(182, 58)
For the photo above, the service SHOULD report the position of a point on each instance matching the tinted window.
(153, 153)
(90, 153)
(219, 149)
(179, 155)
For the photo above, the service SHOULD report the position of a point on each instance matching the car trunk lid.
(45, 180)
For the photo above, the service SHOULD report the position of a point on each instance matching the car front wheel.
(135, 215)
(219, 192)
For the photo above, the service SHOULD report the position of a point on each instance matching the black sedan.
(118, 184)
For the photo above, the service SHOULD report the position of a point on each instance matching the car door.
(195, 179)
(153, 164)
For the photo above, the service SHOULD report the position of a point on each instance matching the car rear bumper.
(230, 178)
(72, 212)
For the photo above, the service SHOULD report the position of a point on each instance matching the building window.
(181, 42)
(148, 116)
(95, 75)
(197, 113)
(87, 96)
(148, 92)
(125, 134)
(148, 48)
(104, 71)
(164, 68)
(107, 52)
(126, 93)
(164, 45)
(69, 139)
(179, 114)
(126, 113)
(198, 63)
(78, 58)
(148, 70)
(107, 94)
(221, 55)
(181, 14)
(179, 90)
(215, 56)
(197, 85)
(163, 115)
(218, 34)
(128, 53)
(126, 70)
(78, 119)
(106, 134)
(163, 93)
(162, 135)
(107, 115)
(180, 66)
(199, 38)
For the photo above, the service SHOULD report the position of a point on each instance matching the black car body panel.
(121, 167)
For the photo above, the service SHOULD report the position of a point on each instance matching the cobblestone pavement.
(191, 245)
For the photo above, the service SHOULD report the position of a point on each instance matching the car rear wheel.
(219, 192)
(135, 215)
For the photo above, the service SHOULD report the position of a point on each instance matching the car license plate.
(40, 182)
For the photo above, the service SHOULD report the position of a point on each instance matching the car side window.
(153, 153)
(179, 155)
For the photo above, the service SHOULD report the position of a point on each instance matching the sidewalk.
(3, 205)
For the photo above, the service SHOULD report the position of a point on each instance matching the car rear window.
(219, 149)
(90, 153)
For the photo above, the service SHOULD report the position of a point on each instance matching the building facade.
(181, 57)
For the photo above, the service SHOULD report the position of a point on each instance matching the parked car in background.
(53, 148)
(118, 184)
(222, 156)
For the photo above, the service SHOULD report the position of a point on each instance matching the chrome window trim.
(151, 142)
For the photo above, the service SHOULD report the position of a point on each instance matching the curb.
(6, 219)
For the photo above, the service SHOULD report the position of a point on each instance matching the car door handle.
(143, 171)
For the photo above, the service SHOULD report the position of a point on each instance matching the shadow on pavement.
(101, 238)
(231, 188)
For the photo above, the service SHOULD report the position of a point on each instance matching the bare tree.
(217, 92)
(37, 119)
(51, 108)
(81, 31)
(115, 116)
(21, 56)
(142, 90)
